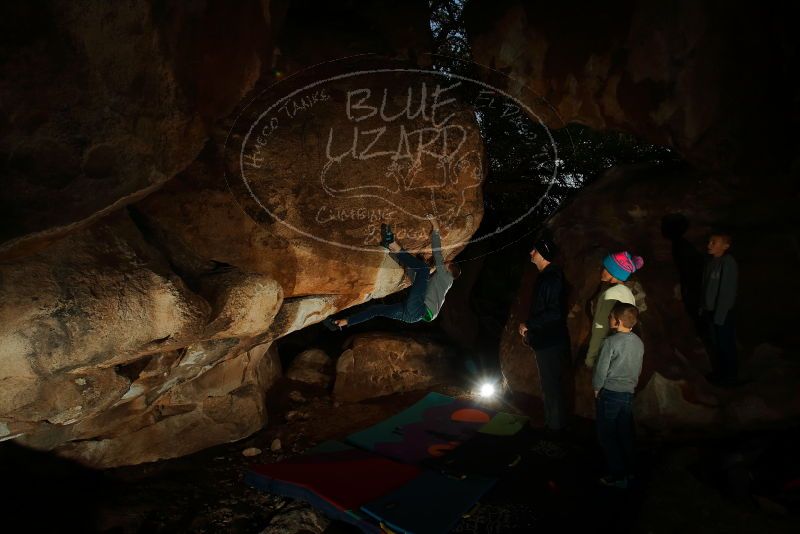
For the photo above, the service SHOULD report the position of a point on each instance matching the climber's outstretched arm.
(436, 244)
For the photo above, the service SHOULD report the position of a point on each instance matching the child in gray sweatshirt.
(615, 377)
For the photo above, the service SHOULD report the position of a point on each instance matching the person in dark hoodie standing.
(720, 280)
(546, 332)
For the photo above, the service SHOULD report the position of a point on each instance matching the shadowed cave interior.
(192, 188)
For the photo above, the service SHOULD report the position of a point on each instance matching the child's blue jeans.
(412, 309)
(615, 430)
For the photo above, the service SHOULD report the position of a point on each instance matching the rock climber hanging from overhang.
(428, 289)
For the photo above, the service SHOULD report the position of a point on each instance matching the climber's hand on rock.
(434, 223)
(523, 330)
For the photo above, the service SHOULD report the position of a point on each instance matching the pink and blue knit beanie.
(620, 265)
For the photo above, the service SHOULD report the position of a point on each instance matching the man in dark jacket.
(720, 281)
(546, 332)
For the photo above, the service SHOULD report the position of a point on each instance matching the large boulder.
(378, 364)
(105, 327)
(201, 227)
(138, 295)
(94, 300)
(223, 404)
(102, 104)
(312, 366)
(99, 333)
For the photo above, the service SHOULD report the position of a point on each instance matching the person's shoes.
(387, 237)
(330, 325)
(613, 482)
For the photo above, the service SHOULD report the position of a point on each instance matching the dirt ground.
(551, 488)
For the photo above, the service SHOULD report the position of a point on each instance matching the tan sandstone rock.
(313, 367)
(662, 405)
(107, 103)
(138, 295)
(222, 405)
(378, 364)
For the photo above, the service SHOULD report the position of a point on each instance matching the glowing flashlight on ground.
(487, 390)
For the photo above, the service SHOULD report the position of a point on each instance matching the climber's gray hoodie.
(441, 281)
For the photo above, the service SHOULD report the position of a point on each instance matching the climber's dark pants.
(412, 309)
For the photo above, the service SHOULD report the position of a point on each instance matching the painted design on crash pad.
(507, 440)
(386, 430)
(441, 448)
(411, 435)
(504, 424)
(470, 415)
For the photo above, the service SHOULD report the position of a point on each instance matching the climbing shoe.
(387, 236)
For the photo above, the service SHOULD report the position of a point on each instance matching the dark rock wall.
(102, 103)
(715, 80)
(139, 302)
(627, 210)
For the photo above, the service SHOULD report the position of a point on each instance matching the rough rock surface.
(313, 367)
(297, 518)
(378, 364)
(204, 407)
(210, 231)
(139, 300)
(102, 104)
(172, 288)
(707, 79)
(73, 309)
(629, 209)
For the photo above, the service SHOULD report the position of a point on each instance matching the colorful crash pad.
(380, 477)
(428, 429)
(504, 424)
(337, 479)
(494, 450)
(483, 455)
